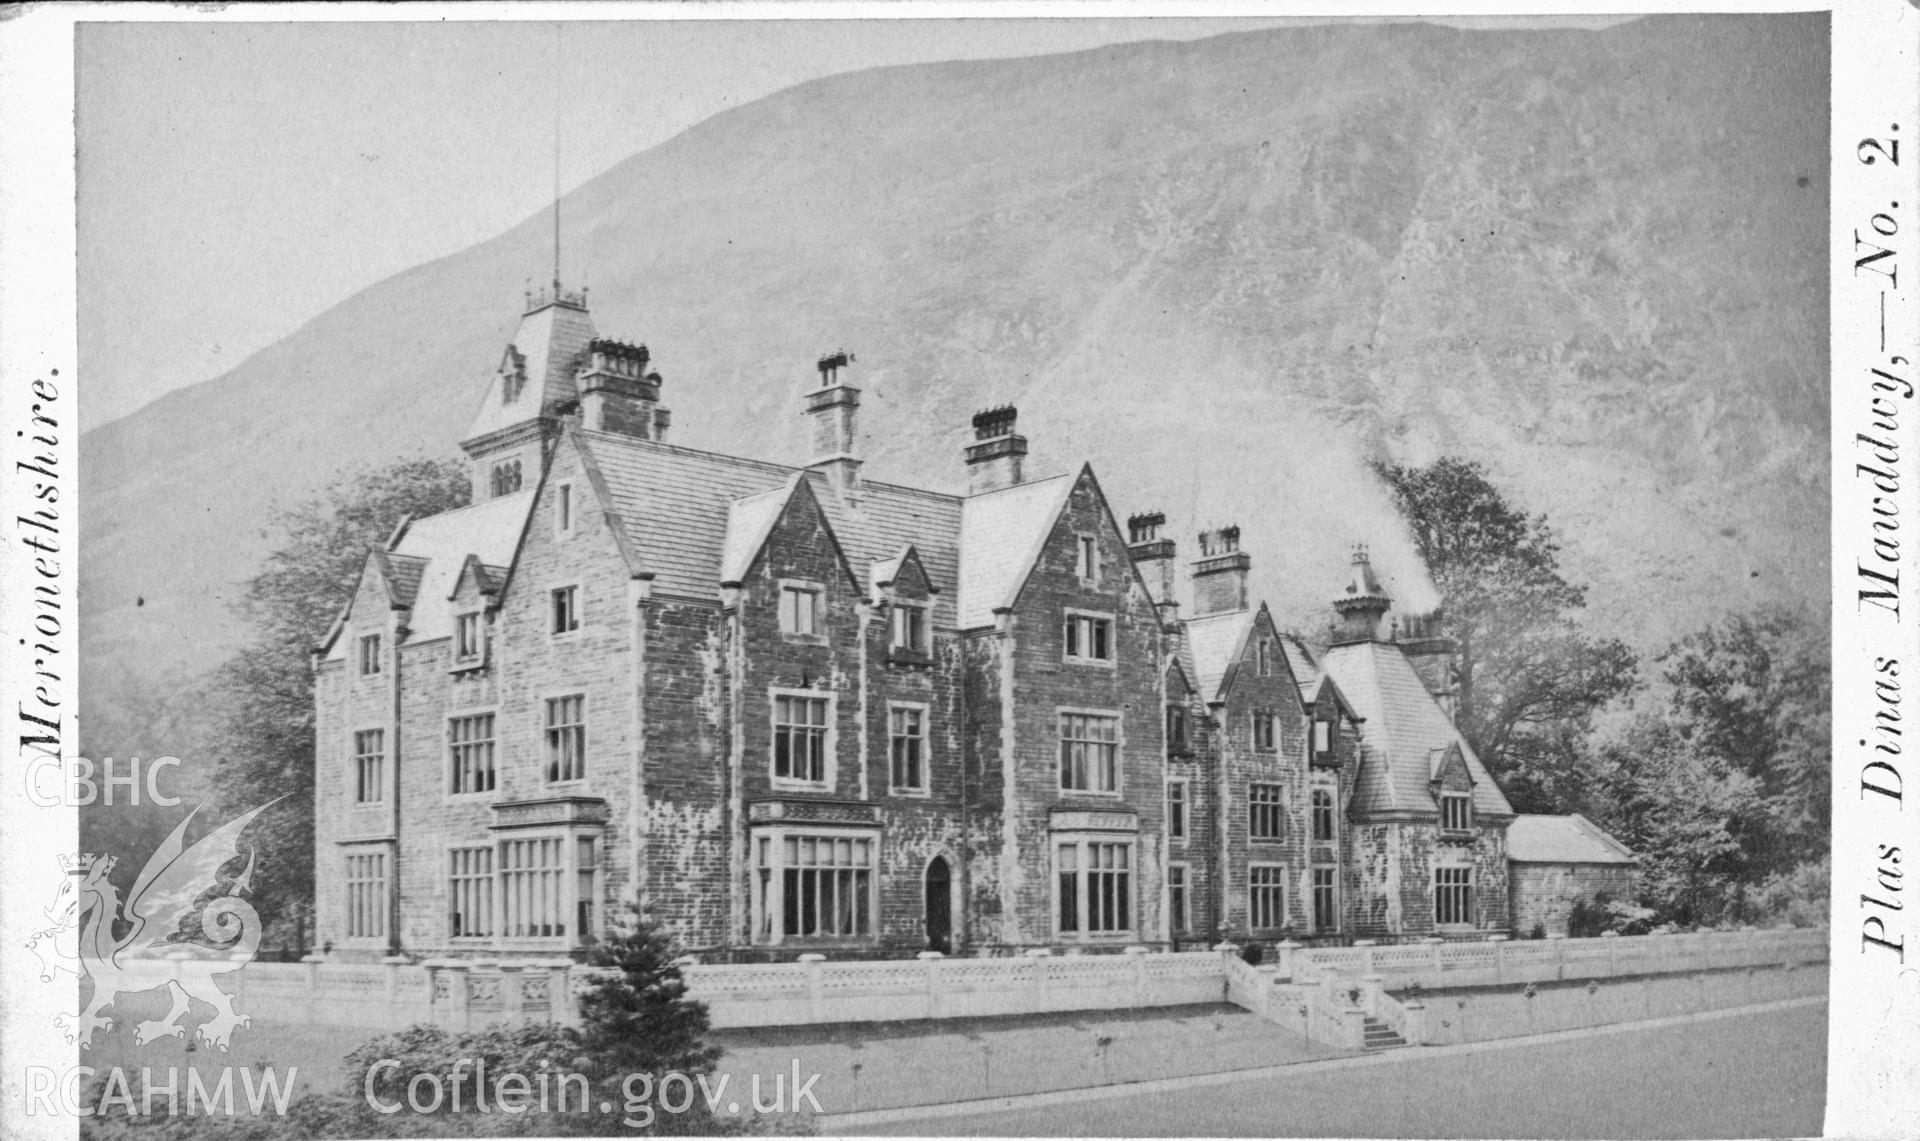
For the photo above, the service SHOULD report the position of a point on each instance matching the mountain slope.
(1226, 272)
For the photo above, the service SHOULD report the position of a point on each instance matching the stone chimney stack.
(619, 393)
(834, 407)
(1423, 639)
(1220, 574)
(1362, 604)
(994, 458)
(1154, 556)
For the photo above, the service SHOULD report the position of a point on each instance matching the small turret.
(1362, 604)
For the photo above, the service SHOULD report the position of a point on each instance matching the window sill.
(1096, 663)
(791, 784)
(474, 667)
(911, 793)
(803, 639)
(1110, 794)
(805, 943)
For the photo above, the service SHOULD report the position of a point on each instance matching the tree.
(640, 1018)
(263, 743)
(1723, 793)
(1528, 678)
(1680, 810)
(1754, 692)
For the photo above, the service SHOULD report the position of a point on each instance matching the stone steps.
(1380, 1036)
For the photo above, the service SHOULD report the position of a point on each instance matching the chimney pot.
(995, 458)
(1154, 557)
(834, 407)
(1220, 575)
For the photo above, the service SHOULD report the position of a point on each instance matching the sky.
(237, 179)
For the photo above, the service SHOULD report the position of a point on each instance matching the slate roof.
(1563, 840)
(692, 517)
(750, 520)
(551, 342)
(403, 574)
(439, 546)
(1216, 642)
(1001, 533)
(1402, 727)
(1300, 661)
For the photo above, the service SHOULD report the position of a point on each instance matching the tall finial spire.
(557, 56)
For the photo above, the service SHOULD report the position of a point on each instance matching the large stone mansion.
(795, 709)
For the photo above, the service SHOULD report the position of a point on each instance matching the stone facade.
(782, 710)
(1543, 895)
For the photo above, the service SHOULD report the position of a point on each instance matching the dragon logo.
(81, 940)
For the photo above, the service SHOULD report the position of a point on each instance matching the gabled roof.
(676, 508)
(1563, 840)
(1441, 761)
(547, 348)
(486, 579)
(1001, 533)
(1217, 642)
(1300, 661)
(403, 576)
(750, 520)
(1324, 686)
(398, 583)
(1402, 725)
(439, 545)
(886, 572)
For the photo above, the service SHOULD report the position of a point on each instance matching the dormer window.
(469, 638)
(1456, 811)
(909, 627)
(1325, 739)
(1176, 728)
(369, 654)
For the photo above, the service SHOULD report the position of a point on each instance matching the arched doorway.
(940, 906)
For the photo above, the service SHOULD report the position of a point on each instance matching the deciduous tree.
(263, 743)
(1528, 676)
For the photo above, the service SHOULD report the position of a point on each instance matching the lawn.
(1755, 1074)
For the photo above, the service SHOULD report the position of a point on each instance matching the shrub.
(1539, 931)
(1587, 918)
(1798, 896)
(1629, 918)
(635, 1019)
(1252, 954)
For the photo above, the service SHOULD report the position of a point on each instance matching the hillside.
(1226, 272)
